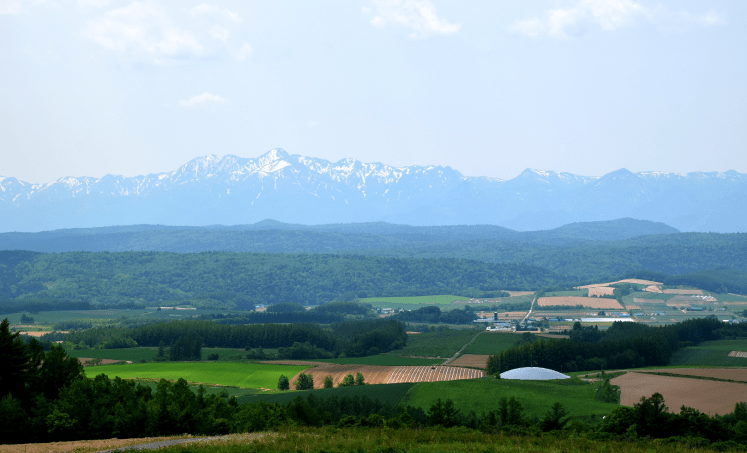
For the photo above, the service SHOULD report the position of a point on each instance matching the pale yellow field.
(601, 291)
(572, 301)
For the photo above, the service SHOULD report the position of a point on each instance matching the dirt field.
(710, 397)
(683, 291)
(520, 293)
(503, 315)
(740, 354)
(735, 374)
(373, 374)
(84, 361)
(431, 374)
(78, 446)
(601, 291)
(652, 289)
(627, 280)
(471, 361)
(572, 301)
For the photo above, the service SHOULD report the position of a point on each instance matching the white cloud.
(205, 8)
(201, 99)
(607, 15)
(417, 15)
(144, 32)
(10, 7)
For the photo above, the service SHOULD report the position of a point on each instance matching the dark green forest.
(240, 280)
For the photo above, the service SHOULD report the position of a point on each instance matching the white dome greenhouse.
(532, 374)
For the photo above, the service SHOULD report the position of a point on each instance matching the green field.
(148, 354)
(383, 360)
(483, 395)
(389, 302)
(103, 317)
(711, 353)
(442, 344)
(246, 375)
(386, 393)
(492, 343)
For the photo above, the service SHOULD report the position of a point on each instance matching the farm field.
(247, 375)
(431, 374)
(471, 361)
(100, 317)
(391, 394)
(492, 343)
(572, 301)
(374, 374)
(442, 344)
(710, 353)
(735, 374)
(710, 397)
(482, 395)
(390, 302)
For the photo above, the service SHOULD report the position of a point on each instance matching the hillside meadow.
(246, 375)
(483, 395)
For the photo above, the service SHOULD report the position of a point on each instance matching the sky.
(95, 87)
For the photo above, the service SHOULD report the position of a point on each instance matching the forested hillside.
(238, 280)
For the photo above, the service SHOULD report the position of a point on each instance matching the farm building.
(532, 374)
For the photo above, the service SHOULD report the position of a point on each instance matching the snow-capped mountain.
(298, 189)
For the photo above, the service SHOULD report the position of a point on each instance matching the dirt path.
(529, 313)
(452, 358)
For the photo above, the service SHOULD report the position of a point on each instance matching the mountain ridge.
(299, 189)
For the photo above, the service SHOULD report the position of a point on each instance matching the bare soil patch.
(86, 361)
(471, 361)
(519, 293)
(572, 301)
(373, 374)
(735, 374)
(711, 397)
(740, 354)
(79, 445)
(652, 289)
(601, 291)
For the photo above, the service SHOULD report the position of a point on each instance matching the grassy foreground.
(483, 395)
(431, 440)
(248, 375)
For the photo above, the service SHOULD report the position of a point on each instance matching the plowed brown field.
(375, 374)
(735, 374)
(711, 397)
(601, 291)
(471, 361)
(572, 301)
(432, 373)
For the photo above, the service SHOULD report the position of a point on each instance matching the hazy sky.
(489, 88)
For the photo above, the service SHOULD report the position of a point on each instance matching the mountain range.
(291, 188)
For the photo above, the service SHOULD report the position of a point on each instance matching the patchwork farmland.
(374, 374)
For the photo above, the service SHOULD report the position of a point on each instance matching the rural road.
(460, 351)
(529, 313)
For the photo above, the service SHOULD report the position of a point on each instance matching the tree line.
(352, 338)
(623, 345)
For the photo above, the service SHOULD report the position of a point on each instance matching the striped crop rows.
(431, 374)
